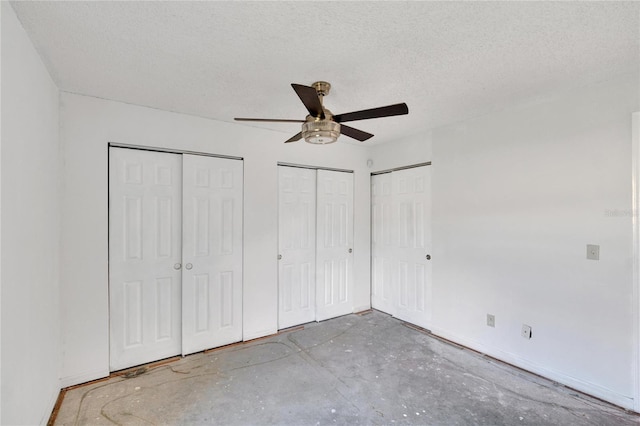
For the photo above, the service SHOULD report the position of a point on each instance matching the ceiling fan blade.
(386, 111)
(271, 120)
(310, 99)
(354, 133)
(294, 138)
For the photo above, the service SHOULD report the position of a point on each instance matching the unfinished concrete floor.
(359, 369)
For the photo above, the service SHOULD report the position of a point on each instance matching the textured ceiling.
(448, 61)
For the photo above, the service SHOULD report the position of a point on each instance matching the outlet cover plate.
(526, 331)
(491, 320)
(593, 252)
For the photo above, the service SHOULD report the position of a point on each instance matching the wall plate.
(491, 320)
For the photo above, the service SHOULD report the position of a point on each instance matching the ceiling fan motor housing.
(320, 132)
(322, 87)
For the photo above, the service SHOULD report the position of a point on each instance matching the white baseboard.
(592, 389)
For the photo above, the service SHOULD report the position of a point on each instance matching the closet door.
(383, 238)
(412, 208)
(212, 252)
(144, 256)
(334, 236)
(297, 246)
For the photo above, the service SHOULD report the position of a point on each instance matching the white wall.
(517, 196)
(404, 152)
(89, 124)
(30, 231)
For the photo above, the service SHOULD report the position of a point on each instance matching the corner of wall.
(30, 202)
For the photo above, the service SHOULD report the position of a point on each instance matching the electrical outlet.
(593, 252)
(526, 331)
(491, 320)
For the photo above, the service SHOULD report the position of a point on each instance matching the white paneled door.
(145, 202)
(315, 245)
(334, 256)
(412, 205)
(401, 249)
(212, 253)
(297, 246)
(174, 267)
(382, 245)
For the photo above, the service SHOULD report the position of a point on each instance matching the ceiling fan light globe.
(320, 132)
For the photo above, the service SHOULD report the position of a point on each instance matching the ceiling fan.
(321, 126)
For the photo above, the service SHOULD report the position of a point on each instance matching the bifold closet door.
(334, 244)
(297, 246)
(212, 252)
(315, 263)
(383, 236)
(401, 244)
(145, 197)
(412, 205)
(175, 254)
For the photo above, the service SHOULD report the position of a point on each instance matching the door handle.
(279, 257)
(188, 266)
(350, 250)
(177, 266)
(428, 257)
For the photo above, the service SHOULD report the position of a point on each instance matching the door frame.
(302, 166)
(397, 169)
(169, 150)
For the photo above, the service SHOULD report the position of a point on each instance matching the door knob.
(188, 266)
(279, 257)
(350, 250)
(428, 257)
(177, 266)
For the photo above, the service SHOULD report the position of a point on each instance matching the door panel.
(412, 206)
(144, 245)
(334, 257)
(297, 246)
(382, 245)
(212, 252)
